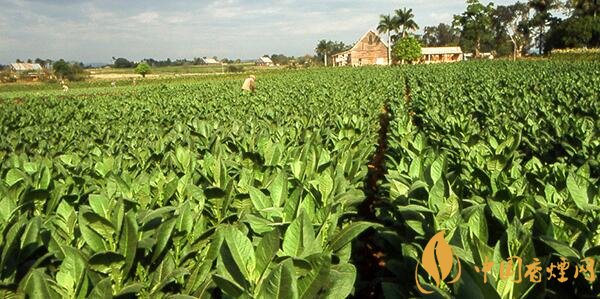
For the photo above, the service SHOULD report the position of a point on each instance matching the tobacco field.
(326, 183)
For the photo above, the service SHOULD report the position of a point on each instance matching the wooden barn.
(264, 61)
(441, 54)
(25, 67)
(369, 50)
(208, 61)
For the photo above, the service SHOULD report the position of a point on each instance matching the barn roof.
(360, 39)
(26, 66)
(441, 50)
(265, 60)
(210, 60)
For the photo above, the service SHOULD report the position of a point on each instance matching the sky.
(95, 31)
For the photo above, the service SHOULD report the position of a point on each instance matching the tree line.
(504, 30)
(519, 28)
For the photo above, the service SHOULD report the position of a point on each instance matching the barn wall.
(367, 50)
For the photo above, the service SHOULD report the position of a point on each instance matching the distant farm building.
(205, 60)
(441, 54)
(264, 61)
(369, 50)
(25, 67)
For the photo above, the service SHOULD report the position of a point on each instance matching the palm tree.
(324, 48)
(405, 21)
(387, 24)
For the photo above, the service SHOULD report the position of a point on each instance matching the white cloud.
(94, 30)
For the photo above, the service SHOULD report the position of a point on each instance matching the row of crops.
(188, 189)
(194, 189)
(505, 159)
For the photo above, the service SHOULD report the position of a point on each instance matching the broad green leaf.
(280, 283)
(71, 271)
(342, 279)
(14, 176)
(299, 238)
(266, 251)
(163, 236)
(104, 262)
(577, 187)
(317, 279)
(279, 189)
(349, 233)
(231, 288)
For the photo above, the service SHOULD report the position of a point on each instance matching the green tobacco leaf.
(163, 236)
(279, 189)
(342, 279)
(299, 238)
(259, 199)
(238, 256)
(14, 176)
(317, 278)
(436, 195)
(71, 271)
(349, 233)
(102, 290)
(471, 285)
(325, 186)
(231, 288)
(92, 238)
(560, 248)
(280, 283)
(577, 187)
(104, 262)
(131, 288)
(266, 251)
(128, 242)
(36, 284)
(100, 204)
(100, 225)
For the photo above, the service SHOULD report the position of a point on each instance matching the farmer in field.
(249, 84)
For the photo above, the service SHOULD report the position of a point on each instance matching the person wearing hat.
(249, 84)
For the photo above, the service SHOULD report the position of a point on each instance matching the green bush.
(70, 71)
(143, 69)
(407, 49)
(235, 69)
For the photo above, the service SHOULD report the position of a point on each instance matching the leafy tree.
(405, 22)
(326, 48)
(61, 68)
(407, 48)
(71, 71)
(542, 18)
(440, 35)
(122, 63)
(143, 69)
(475, 25)
(280, 59)
(511, 23)
(574, 32)
(386, 25)
(582, 8)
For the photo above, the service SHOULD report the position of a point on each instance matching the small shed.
(441, 54)
(264, 61)
(369, 50)
(25, 67)
(205, 60)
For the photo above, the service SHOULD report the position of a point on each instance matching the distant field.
(102, 77)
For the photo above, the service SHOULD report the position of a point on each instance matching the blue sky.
(95, 31)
